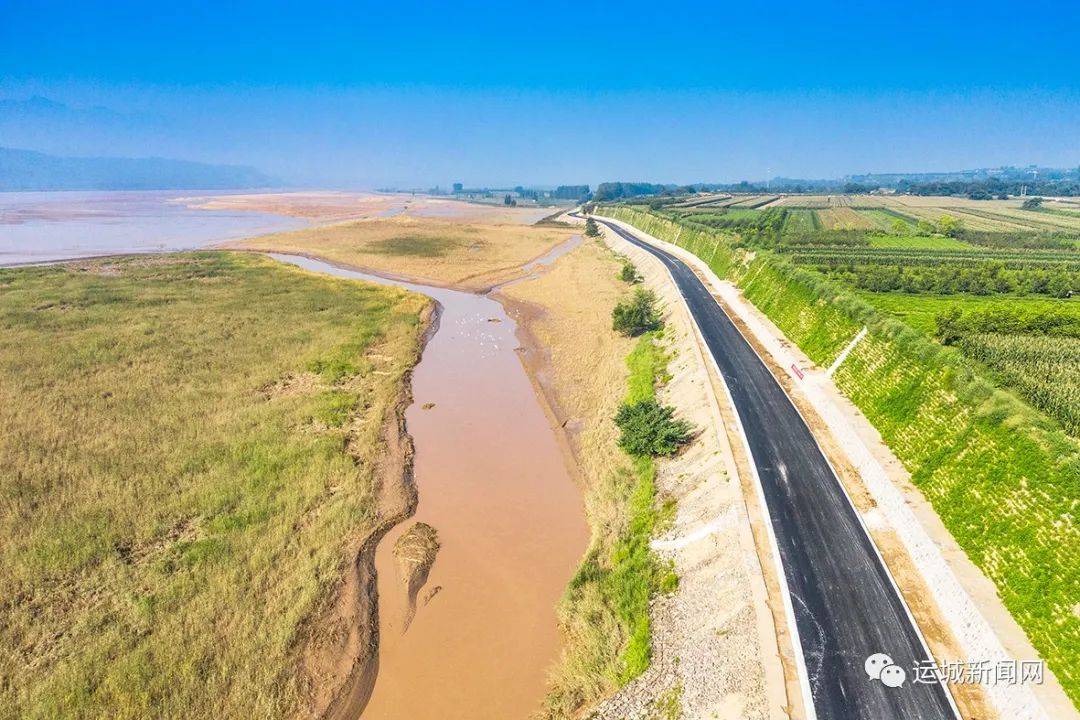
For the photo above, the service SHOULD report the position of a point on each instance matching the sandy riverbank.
(473, 636)
(323, 206)
(713, 645)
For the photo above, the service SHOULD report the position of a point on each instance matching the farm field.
(880, 212)
(1030, 344)
(752, 201)
(844, 218)
(189, 443)
(802, 220)
(888, 220)
(919, 311)
(918, 242)
(829, 201)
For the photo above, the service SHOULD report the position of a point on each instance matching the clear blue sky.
(359, 94)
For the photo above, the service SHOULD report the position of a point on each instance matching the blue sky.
(359, 94)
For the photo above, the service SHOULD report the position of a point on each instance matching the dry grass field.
(463, 254)
(187, 444)
(983, 215)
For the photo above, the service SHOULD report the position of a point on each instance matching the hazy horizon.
(351, 96)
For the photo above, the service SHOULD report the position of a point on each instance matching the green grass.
(919, 311)
(636, 575)
(414, 245)
(610, 593)
(916, 242)
(799, 221)
(178, 485)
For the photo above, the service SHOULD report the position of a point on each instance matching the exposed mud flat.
(473, 638)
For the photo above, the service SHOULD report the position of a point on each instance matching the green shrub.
(630, 273)
(649, 428)
(636, 316)
(591, 229)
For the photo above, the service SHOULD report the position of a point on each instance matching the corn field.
(1046, 370)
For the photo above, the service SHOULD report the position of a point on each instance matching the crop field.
(935, 213)
(188, 443)
(706, 200)
(802, 220)
(844, 218)
(879, 211)
(820, 202)
(1043, 369)
(919, 242)
(752, 201)
(726, 216)
(887, 220)
(920, 311)
(1029, 343)
(1046, 219)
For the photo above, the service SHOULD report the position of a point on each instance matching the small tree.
(629, 273)
(591, 228)
(636, 316)
(1059, 286)
(950, 226)
(924, 228)
(650, 429)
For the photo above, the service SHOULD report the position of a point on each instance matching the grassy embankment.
(605, 611)
(465, 254)
(1004, 478)
(188, 443)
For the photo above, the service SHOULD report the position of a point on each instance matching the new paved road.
(846, 608)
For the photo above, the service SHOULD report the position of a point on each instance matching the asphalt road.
(845, 606)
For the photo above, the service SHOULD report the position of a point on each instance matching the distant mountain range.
(28, 170)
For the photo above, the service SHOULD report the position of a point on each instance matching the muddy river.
(493, 482)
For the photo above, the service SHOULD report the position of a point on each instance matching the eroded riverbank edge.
(364, 662)
(340, 657)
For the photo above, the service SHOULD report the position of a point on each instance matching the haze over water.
(48, 226)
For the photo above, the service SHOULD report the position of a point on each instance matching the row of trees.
(947, 279)
(993, 188)
(954, 323)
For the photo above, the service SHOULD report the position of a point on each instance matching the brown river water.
(493, 482)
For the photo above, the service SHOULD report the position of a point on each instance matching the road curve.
(845, 604)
